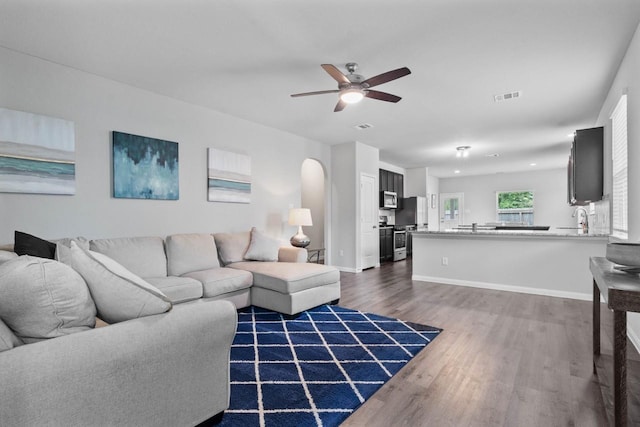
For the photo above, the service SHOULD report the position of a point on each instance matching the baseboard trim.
(508, 288)
(348, 269)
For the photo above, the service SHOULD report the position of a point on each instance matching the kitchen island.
(554, 263)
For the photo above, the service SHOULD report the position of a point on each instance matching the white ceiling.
(245, 57)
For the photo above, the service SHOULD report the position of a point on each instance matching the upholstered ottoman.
(291, 287)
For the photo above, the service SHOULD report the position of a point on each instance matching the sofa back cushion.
(143, 256)
(232, 246)
(42, 298)
(8, 339)
(187, 253)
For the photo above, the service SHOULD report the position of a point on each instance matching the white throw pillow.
(262, 247)
(118, 293)
(232, 246)
(42, 298)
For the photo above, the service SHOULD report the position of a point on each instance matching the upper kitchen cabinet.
(391, 181)
(585, 170)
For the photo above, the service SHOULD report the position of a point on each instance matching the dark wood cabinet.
(391, 181)
(386, 244)
(585, 169)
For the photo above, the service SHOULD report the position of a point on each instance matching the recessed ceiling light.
(532, 164)
(570, 135)
(456, 171)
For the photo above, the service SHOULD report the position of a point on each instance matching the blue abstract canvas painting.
(37, 154)
(229, 177)
(145, 168)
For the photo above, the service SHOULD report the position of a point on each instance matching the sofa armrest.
(292, 254)
(165, 370)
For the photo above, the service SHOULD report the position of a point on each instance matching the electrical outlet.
(341, 252)
(445, 260)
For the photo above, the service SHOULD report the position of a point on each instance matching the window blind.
(619, 198)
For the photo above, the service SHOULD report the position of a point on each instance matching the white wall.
(415, 182)
(313, 198)
(627, 81)
(98, 106)
(348, 161)
(549, 187)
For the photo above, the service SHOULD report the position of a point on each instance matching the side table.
(621, 292)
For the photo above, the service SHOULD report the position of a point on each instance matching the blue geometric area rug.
(315, 369)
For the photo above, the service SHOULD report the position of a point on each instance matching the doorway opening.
(313, 197)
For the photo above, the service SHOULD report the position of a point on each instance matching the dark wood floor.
(504, 358)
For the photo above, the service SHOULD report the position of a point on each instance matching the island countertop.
(493, 234)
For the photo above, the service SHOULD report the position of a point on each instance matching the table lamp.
(300, 217)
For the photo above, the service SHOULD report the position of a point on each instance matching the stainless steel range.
(399, 243)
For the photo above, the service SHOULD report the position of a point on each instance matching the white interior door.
(369, 236)
(451, 210)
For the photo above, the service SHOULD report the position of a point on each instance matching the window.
(515, 206)
(619, 199)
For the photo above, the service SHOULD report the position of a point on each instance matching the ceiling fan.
(353, 87)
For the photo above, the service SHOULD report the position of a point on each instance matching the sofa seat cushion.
(143, 256)
(288, 277)
(177, 289)
(219, 281)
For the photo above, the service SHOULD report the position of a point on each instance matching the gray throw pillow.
(8, 339)
(232, 246)
(42, 298)
(118, 293)
(262, 247)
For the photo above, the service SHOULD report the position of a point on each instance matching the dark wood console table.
(621, 292)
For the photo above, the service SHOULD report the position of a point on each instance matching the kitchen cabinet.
(413, 212)
(585, 168)
(386, 244)
(391, 181)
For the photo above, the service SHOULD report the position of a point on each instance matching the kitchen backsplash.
(599, 218)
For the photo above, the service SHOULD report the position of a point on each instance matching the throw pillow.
(26, 244)
(41, 298)
(232, 246)
(8, 339)
(118, 293)
(262, 247)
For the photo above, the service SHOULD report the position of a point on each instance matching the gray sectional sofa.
(168, 369)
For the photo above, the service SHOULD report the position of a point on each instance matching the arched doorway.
(313, 197)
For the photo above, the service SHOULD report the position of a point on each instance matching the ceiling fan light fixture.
(352, 96)
(462, 151)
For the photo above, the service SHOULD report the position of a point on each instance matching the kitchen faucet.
(582, 218)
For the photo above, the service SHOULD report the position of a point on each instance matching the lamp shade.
(300, 216)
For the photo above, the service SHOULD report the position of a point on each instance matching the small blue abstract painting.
(144, 168)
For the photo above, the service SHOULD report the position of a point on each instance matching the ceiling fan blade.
(382, 96)
(320, 92)
(335, 73)
(386, 77)
(340, 106)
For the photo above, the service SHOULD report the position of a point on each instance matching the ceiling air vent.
(507, 96)
(364, 126)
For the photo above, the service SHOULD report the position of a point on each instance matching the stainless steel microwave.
(388, 200)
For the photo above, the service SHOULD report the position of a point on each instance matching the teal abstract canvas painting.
(145, 168)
